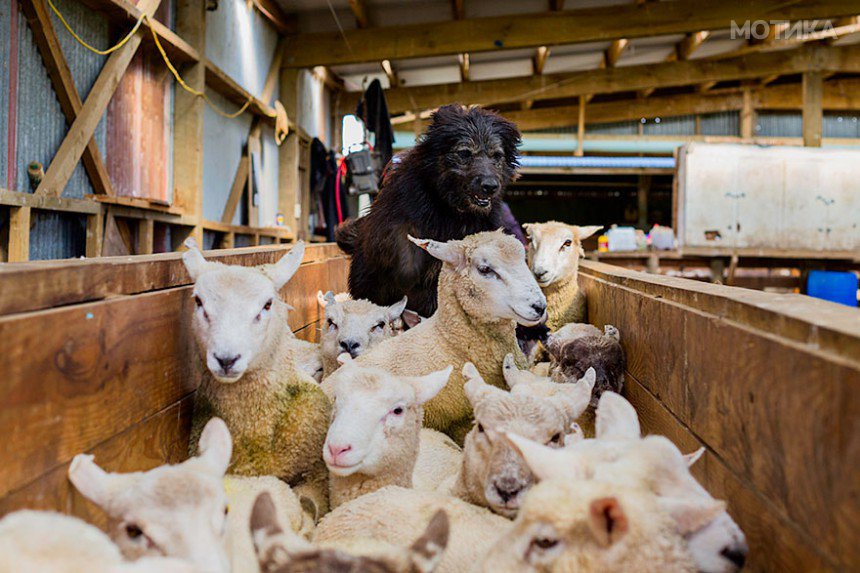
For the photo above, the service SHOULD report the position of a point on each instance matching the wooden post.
(145, 237)
(580, 128)
(813, 115)
(747, 115)
(188, 120)
(19, 234)
(288, 172)
(642, 201)
(95, 235)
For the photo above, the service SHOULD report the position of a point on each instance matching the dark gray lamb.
(575, 348)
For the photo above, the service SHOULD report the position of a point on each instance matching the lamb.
(283, 552)
(355, 326)
(374, 435)
(554, 252)
(567, 525)
(173, 510)
(575, 348)
(398, 515)
(619, 455)
(48, 542)
(277, 413)
(484, 288)
(493, 474)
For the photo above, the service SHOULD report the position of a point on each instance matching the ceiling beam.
(390, 73)
(556, 5)
(691, 42)
(549, 28)
(539, 61)
(458, 9)
(614, 80)
(614, 51)
(359, 10)
(464, 67)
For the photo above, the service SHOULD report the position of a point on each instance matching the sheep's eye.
(556, 438)
(268, 305)
(133, 531)
(226, 509)
(544, 542)
(567, 244)
(397, 411)
(487, 271)
(480, 429)
(198, 302)
(464, 154)
(330, 323)
(379, 325)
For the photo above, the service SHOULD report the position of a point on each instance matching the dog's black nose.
(507, 488)
(539, 308)
(735, 555)
(227, 362)
(350, 346)
(490, 186)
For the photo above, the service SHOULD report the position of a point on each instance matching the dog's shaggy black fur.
(447, 187)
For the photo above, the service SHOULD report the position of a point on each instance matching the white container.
(621, 239)
(662, 238)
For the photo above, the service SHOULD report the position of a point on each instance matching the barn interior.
(730, 130)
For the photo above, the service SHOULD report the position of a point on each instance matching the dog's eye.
(487, 271)
(464, 154)
(567, 244)
(498, 156)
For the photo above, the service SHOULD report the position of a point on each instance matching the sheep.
(567, 525)
(283, 552)
(49, 542)
(554, 252)
(398, 515)
(575, 348)
(484, 288)
(173, 510)
(439, 462)
(619, 455)
(493, 474)
(354, 327)
(277, 413)
(374, 435)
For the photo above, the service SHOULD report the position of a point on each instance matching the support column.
(19, 234)
(289, 154)
(642, 201)
(580, 128)
(813, 113)
(747, 115)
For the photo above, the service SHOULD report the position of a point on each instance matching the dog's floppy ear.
(450, 252)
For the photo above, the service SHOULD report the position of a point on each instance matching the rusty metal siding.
(5, 37)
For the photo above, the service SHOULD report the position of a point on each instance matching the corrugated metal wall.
(5, 28)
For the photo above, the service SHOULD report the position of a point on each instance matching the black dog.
(446, 187)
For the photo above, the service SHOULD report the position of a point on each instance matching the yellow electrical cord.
(167, 61)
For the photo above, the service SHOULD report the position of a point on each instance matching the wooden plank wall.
(769, 384)
(113, 370)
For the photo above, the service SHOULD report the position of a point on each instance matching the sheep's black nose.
(350, 346)
(539, 307)
(735, 555)
(508, 488)
(540, 274)
(490, 186)
(227, 362)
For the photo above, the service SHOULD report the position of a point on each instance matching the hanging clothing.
(373, 111)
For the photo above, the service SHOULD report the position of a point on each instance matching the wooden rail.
(112, 369)
(769, 384)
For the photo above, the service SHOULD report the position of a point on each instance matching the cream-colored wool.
(280, 551)
(475, 322)
(569, 526)
(48, 542)
(397, 516)
(374, 437)
(554, 252)
(275, 411)
(438, 464)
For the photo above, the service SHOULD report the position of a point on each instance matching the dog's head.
(473, 154)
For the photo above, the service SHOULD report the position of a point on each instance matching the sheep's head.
(356, 326)
(492, 280)
(555, 249)
(494, 474)
(235, 309)
(280, 551)
(376, 418)
(568, 526)
(173, 511)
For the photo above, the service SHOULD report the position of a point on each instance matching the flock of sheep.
(442, 447)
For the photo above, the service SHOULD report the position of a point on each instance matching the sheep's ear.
(545, 462)
(411, 318)
(575, 398)
(272, 544)
(286, 267)
(616, 418)
(607, 520)
(321, 299)
(426, 387)
(92, 481)
(691, 514)
(195, 264)
(585, 232)
(427, 551)
(264, 516)
(513, 375)
(396, 309)
(215, 447)
(612, 332)
(693, 457)
(475, 387)
(450, 252)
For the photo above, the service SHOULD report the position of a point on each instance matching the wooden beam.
(49, 203)
(220, 82)
(556, 5)
(145, 237)
(240, 181)
(45, 36)
(458, 9)
(82, 129)
(580, 128)
(359, 10)
(464, 67)
(283, 23)
(813, 116)
(550, 28)
(539, 60)
(95, 235)
(642, 190)
(747, 117)
(390, 73)
(690, 44)
(19, 234)
(288, 170)
(614, 51)
(609, 80)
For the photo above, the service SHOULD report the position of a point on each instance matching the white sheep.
(619, 455)
(280, 551)
(48, 542)
(373, 440)
(354, 327)
(493, 474)
(485, 287)
(173, 510)
(277, 413)
(554, 252)
(398, 515)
